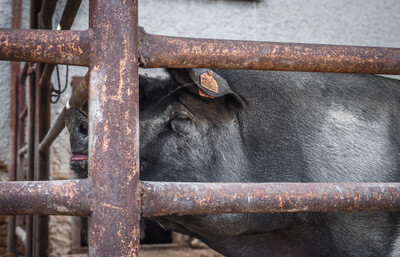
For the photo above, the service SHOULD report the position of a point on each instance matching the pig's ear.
(181, 76)
(209, 85)
(151, 90)
(145, 87)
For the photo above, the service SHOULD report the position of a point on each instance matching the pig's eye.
(83, 130)
(181, 123)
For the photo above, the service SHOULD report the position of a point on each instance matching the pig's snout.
(77, 123)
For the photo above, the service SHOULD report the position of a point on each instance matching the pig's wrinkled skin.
(268, 126)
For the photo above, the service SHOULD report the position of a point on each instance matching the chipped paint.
(63, 47)
(176, 52)
(114, 141)
(64, 197)
(207, 198)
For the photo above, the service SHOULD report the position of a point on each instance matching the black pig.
(267, 126)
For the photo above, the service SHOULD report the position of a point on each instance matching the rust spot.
(177, 52)
(160, 198)
(63, 47)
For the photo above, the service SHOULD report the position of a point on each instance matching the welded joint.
(142, 46)
(141, 189)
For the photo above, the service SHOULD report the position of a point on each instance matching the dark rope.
(56, 93)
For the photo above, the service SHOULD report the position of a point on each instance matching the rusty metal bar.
(42, 124)
(31, 157)
(53, 133)
(77, 100)
(46, 13)
(23, 113)
(24, 73)
(42, 158)
(113, 102)
(23, 150)
(176, 52)
(35, 6)
(67, 18)
(162, 198)
(46, 75)
(22, 108)
(13, 150)
(63, 47)
(62, 197)
(13, 121)
(13, 147)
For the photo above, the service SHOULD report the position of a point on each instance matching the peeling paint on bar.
(168, 198)
(113, 149)
(177, 52)
(45, 46)
(63, 197)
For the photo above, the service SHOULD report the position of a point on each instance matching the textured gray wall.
(358, 22)
(5, 21)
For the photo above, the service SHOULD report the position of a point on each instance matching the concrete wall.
(357, 22)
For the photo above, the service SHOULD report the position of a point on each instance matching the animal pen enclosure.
(114, 38)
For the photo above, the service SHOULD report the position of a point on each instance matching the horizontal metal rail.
(62, 197)
(73, 47)
(166, 198)
(63, 47)
(177, 52)
(71, 197)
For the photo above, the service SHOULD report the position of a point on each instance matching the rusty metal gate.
(115, 40)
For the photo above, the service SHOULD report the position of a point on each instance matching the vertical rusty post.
(21, 130)
(21, 139)
(35, 6)
(12, 171)
(113, 129)
(21, 122)
(13, 152)
(42, 124)
(42, 158)
(31, 155)
(45, 15)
